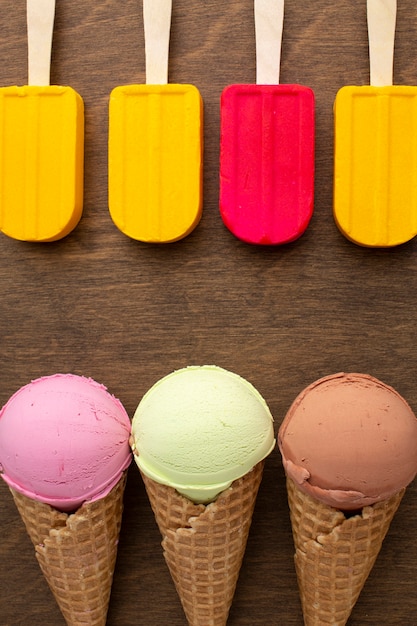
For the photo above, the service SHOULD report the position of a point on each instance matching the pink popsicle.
(267, 146)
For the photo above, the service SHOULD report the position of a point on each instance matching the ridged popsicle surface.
(155, 160)
(267, 161)
(375, 177)
(41, 161)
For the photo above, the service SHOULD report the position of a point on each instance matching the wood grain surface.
(127, 313)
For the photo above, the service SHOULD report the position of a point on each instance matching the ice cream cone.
(204, 544)
(77, 552)
(334, 553)
(199, 437)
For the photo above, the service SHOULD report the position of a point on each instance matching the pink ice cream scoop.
(349, 440)
(63, 441)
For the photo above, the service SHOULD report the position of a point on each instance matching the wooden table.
(127, 313)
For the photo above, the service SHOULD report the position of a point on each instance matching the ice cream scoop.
(64, 441)
(349, 440)
(199, 429)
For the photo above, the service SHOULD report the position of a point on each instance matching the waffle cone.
(77, 552)
(334, 554)
(204, 545)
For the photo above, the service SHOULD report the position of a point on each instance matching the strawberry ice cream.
(63, 441)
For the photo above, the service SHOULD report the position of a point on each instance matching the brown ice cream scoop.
(349, 440)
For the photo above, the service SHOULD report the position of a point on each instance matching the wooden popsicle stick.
(40, 24)
(381, 32)
(269, 21)
(157, 26)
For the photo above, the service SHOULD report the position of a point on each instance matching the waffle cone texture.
(77, 552)
(334, 554)
(204, 545)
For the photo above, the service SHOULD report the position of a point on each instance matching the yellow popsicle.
(375, 170)
(375, 179)
(41, 144)
(155, 160)
(41, 162)
(155, 145)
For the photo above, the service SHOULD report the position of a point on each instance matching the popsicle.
(375, 169)
(155, 145)
(267, 145)
(42, 144)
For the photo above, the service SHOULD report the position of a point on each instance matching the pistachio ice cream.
(199, 429)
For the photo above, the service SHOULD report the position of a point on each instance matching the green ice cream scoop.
(199, 429)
